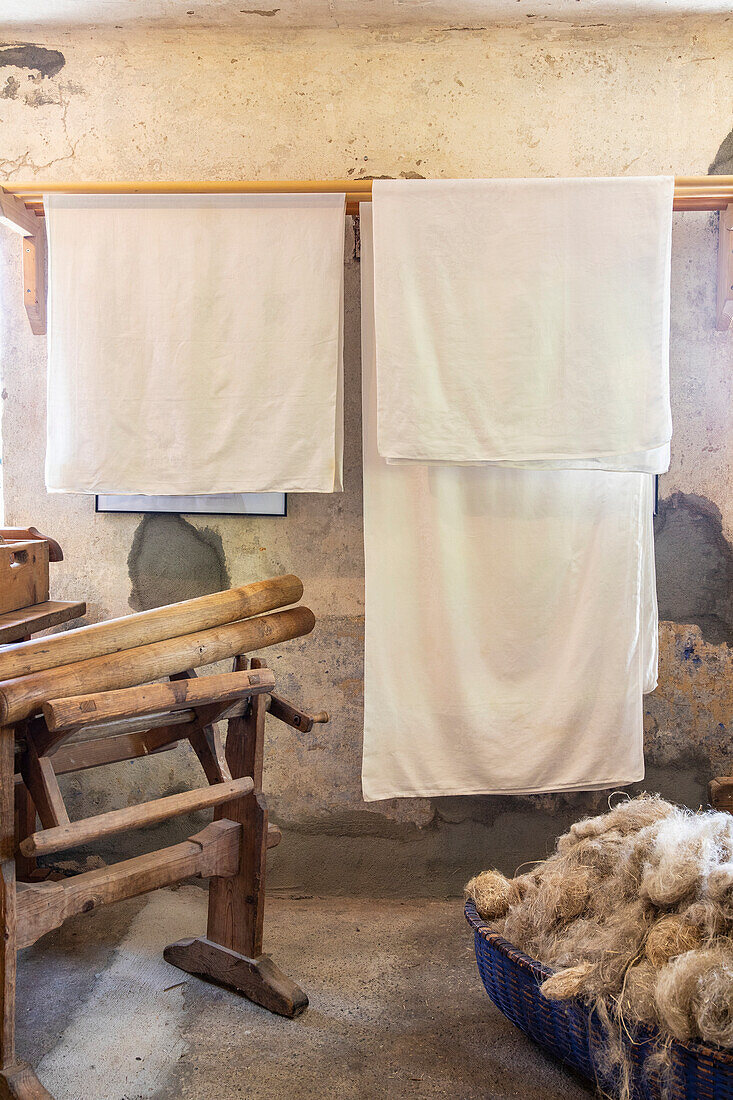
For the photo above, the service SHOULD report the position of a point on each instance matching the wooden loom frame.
(133, 721)
(21, 207)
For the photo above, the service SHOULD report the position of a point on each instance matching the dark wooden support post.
(25, 824)
(17, 1080)
(231, 952)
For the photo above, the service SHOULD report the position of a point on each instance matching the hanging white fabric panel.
(195, 343)
(524, 320)
(510, 629)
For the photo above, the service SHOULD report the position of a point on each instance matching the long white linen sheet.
(195, 343)
(510, 626)
(524, 321)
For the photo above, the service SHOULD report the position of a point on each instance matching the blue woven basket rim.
(539, 971)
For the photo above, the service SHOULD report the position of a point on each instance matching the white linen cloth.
(195, 343)
(510, 628)
(524, 321)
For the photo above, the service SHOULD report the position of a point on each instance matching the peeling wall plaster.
(428, 102)
(172, 560)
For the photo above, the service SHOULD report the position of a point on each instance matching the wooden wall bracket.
(725, 270)
(15, 215)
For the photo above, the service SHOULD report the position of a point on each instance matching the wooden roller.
(21, 697)
(157, 625)
(106, 706)
(74, 833)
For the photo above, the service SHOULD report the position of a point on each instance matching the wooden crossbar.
(79, 710)
(40, 908)
(690, 192)
(73, 833)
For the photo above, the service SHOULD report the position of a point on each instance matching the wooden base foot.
(19, 1082)
(258, 979)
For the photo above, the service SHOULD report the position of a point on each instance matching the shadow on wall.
(723, 163)
(171, 560)
(694, 566)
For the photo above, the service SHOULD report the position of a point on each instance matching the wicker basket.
(569, 1031)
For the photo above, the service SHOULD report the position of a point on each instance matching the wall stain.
(172, 560)
(259, 11)
(39, 98)
(723, 163)
(10, 88)
(694, 567)
(43, 61)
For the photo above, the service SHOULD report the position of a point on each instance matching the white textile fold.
(524, 321)
(195, 343)
(510, 626)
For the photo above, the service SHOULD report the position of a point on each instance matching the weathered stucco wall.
(535, 101)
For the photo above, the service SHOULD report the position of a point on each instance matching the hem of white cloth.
(187, 493)
(543, 456)
(649, 690)
(436, 792)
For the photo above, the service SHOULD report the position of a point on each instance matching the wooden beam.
(40, 779)
(179, 694)
(14, 215)
(725, 270)
(80, 755)
(8, 917)
(212, 852)
(25, 695)
(145, 627)
(258, 979)
(236, 907)
(690, 192)
(74, 833)
(35, 280)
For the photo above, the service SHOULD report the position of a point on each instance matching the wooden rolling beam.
(212, 852)
(81, 710)
(21, 697)
(74, 833)
(130, 631)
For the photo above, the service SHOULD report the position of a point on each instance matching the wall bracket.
(16, 216)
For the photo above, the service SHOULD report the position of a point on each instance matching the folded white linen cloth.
(195, 343)
(524, 320)
(510, 627)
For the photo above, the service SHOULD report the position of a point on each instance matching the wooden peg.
(292, 716)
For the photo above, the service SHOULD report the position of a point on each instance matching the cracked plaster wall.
(548, 100)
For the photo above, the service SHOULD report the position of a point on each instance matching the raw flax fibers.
(634, 912)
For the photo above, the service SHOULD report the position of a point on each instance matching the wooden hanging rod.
(690, 192)
(21, 206)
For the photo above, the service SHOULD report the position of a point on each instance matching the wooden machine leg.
(17, 1080)
(25, 825)
(231, 952)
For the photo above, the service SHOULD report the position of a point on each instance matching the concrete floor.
(397, 1010)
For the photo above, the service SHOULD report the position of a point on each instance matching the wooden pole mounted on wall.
(21, 209)
(15, 215)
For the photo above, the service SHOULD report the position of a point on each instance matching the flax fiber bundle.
(634, 912)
